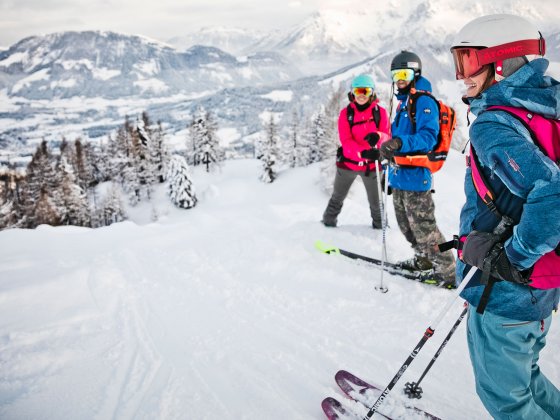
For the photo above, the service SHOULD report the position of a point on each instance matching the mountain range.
(84, 83)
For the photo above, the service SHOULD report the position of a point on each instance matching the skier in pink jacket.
(362, 126)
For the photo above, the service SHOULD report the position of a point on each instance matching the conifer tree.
(41, 180)
(269, 152)
(318, 137)
(298, 142)
(75, 209)
(11, 204)
(179, 185)
(45, 211)
(159, 154)
(83, 167)
(206, 147)
(112, 209)
(331, 140)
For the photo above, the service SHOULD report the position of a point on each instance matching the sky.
(161, 19)
(166, 19)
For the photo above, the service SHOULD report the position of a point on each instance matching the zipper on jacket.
(516, 324)
(533, 298)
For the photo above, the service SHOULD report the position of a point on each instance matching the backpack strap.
(375, 116)
(486, 194)
(411, 105)
(481, 185)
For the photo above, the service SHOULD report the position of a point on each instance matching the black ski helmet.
(407, 60)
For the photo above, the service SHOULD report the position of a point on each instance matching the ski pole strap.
(485, 296)
(487, 267)
(456, 243)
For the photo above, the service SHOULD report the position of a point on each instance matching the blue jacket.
(527, 186)
(422, 140)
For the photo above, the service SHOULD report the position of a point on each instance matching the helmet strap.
(499, 69)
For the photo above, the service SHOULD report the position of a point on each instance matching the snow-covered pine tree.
(298, 141)
(206, 148)
(11, 205)
(83, 166)
(159, 153)
(112, 209)
(75, 209)
(45, 210)
(179, 185)
(41, 180)
(337, 100)
(269, 152)
(144, 159)
(124, 166)
(190, 144)
(318, 136)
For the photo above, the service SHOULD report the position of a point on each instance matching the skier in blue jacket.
(498, 57)
(412, 185)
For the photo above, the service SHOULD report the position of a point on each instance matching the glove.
(372, 139)
(389, 147)
(370, 154)
(485, 251)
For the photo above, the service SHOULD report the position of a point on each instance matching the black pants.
(342, 183)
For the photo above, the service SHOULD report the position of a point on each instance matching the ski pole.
(381, 287)
(412, 389)
(386, 193)
(427, 335)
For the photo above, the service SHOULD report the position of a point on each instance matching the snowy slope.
(225, 311)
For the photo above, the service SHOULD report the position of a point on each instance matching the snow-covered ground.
(225, 311)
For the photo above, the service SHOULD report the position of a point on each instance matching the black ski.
(423, 276)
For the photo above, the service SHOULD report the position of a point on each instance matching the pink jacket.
(352, 140)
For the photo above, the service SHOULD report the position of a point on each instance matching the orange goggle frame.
(357, 91)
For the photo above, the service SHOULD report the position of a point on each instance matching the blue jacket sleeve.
(504, 145)
(427, 127)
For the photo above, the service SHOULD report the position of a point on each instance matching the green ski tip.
(327, 249)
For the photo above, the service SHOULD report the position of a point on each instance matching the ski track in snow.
(225, 311)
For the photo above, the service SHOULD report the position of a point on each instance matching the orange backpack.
(434, 159)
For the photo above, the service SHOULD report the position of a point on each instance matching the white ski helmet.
(508, 41)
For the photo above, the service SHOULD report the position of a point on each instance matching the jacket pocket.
(516, 324)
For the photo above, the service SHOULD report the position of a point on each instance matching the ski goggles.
(402, 74)
(470, 61)
(357, 91)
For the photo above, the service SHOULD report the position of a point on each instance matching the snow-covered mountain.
(235, 41)
(343, 35)
(111, 65)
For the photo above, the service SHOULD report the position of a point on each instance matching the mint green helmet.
(363, 80)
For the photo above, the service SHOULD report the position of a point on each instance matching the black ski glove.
(485, 251)
(389, 147)
(371, 154)
(372, 139)
(383, 181)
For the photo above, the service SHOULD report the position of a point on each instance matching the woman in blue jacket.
(499, 59)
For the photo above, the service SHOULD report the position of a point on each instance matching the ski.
(334, 410)
(423, 276)
(367, 394)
